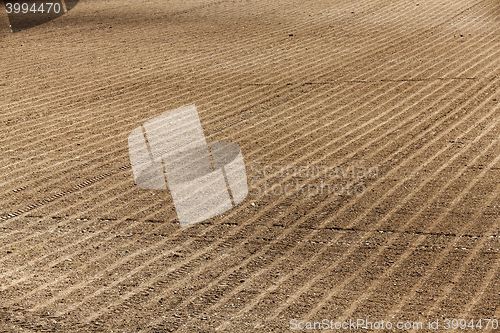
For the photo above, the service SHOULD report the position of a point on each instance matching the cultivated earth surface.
(409, 90)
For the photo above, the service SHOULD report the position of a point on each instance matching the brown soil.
(409, 87)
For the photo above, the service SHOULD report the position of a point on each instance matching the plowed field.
(370, 134)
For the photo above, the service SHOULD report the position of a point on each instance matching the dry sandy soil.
(408, 87)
